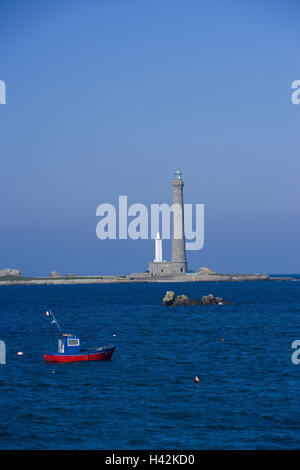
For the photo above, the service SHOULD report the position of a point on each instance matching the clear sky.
(109, 97)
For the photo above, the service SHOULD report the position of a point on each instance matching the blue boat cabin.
(68, 344)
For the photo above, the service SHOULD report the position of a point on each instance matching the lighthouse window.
(73, 342)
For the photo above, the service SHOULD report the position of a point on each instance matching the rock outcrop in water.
(170, 299)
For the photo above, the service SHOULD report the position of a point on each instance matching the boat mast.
(54, 320)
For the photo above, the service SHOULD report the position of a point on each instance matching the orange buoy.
(197, 379)
(222, 339)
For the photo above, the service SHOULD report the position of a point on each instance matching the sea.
(146, 397)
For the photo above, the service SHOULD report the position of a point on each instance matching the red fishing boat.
(69, 349)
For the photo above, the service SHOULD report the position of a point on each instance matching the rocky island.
(10, 276)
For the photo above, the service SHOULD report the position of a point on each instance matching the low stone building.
(54, 274)
(10, 272)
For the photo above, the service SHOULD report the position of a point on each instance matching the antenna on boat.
(48, 313)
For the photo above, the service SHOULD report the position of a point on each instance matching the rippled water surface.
(145, 398)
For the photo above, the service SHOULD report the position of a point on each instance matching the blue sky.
(106, 98)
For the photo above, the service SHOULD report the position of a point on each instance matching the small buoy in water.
(20, 353)
(114, 335)
(222, 339)
(197, 379)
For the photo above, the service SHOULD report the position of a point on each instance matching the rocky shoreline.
(139, 278)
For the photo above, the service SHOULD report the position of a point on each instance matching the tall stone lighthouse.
(178, 239)
(178, 265)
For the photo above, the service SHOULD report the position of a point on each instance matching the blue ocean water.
(145, 398)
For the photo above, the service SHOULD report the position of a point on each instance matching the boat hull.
(101, 354)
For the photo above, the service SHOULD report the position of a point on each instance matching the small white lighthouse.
(158, 249)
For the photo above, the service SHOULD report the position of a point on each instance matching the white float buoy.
(20, 353)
